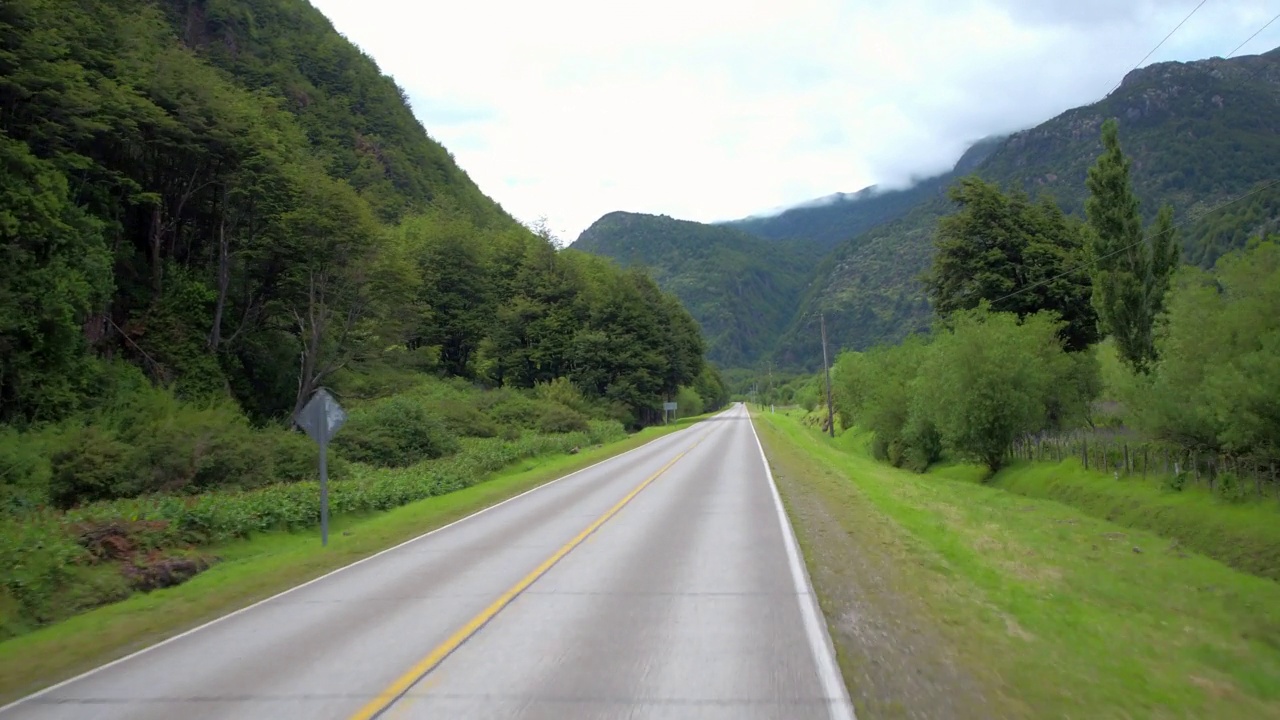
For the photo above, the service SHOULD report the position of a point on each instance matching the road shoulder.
(894, 659)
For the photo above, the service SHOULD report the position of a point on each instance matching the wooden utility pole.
(826, 369)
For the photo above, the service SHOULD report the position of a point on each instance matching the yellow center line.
(385, 699)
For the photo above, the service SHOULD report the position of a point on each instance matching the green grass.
(250, 570)
(1244, 535)
(1063, 614)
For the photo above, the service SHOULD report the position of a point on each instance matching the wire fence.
(1124, 454)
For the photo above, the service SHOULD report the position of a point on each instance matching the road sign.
(668, 406)
(321, 417)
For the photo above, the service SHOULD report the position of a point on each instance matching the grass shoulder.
(1244, 535)
(1045, 610)
(264, 565)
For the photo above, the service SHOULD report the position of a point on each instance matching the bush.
(510, 408)
(688, 402)
(92, 466)
(564, 392)
(991, 379)
(558, 419)
(24, 470)
(464, 420)
(394, 432)
(878, 390)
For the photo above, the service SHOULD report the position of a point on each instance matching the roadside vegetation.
(261, 564)
(951, 597)
(1073, 359)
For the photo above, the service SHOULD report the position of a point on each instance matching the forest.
(213, 208)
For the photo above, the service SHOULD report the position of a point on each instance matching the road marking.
(824, 654)
(331, 573)
(387, 698)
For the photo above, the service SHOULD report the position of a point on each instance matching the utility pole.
(826, 369)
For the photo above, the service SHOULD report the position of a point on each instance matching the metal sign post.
(321, 418)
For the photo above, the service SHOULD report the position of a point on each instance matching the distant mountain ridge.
(1199, 134)
(833, 219)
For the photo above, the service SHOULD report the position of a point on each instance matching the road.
(663, 583)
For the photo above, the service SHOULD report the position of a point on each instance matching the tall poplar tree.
(1131, 273)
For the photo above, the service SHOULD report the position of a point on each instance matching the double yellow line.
(385, 699)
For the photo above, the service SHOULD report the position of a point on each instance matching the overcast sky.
(717, 110)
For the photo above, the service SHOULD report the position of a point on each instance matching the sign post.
(666, 408)
(321, 417)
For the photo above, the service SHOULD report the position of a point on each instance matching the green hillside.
(741, 289)
(1199, 133)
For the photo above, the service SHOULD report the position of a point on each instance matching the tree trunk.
(157, 239)
(310, 331)
(224, 280)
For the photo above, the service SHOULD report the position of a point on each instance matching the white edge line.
(824, 654)
(331, 573)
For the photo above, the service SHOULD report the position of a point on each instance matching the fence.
(1126, 455)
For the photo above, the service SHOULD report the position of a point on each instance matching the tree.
(991, 379)
(1131, 273)
(56, 271)
(1216, 387)
(1019, 256)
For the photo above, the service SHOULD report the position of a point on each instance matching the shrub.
(464, 420)
(991, 379)
(24, 470)
(508, 407)
(564, 392)
(688, 402)
(394, 432)
(558, 419)
(93, 465)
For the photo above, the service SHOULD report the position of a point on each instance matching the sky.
(712, 110)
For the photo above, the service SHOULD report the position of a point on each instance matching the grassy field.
(1244, 535)
(1050, 612)
(253, 569)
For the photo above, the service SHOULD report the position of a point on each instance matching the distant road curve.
(662, 583)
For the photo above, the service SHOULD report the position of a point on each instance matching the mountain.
(834, 219)
(1199, 134)
(229, 198)
(741, 289)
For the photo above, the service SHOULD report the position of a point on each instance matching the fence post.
(1084, 450)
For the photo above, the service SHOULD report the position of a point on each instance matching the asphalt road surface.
(663, 583)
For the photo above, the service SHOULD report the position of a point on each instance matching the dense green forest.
(739, 288)
(213, 208)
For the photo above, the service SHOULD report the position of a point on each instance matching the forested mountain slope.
(829, 223)
(1199, 133)
(230, 197)
(741, 289)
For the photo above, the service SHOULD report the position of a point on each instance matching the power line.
(1251, 37)
(1187, 221)
(1162, 42)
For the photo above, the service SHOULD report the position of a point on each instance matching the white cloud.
(716, 110)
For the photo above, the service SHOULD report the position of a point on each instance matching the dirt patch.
(895, 661)
(130, 545)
